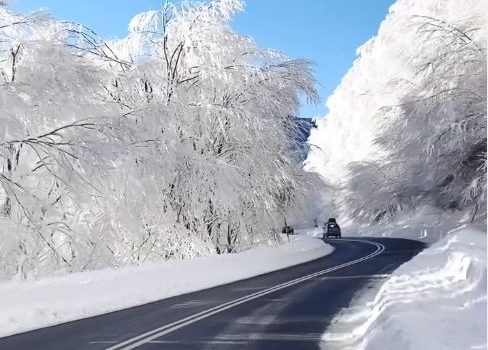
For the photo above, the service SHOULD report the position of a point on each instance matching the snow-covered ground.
(27, 305)
(426, 224)
(436, 301)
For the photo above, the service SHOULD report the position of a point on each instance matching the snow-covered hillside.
(407, 125)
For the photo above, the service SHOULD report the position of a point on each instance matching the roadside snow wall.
(436, 301)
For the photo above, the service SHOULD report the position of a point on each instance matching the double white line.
(144, 338)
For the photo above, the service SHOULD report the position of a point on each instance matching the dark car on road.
(331, 229)
(288, 230)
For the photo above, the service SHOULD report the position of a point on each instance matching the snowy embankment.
(426, 224)
(436, 301)
(28, 305)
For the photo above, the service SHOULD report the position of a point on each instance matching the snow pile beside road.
(310, 231)
(426, 224)
(27, 305)
(436, 301)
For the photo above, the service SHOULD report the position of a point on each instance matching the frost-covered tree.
(169, 143)
(225, 105)
(437, 136)
(407, 126)
(47, 181)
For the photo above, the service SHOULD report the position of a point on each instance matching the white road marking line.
(246, 289)
(230, 342)
(353, 276)
(149, 336)
(274, 336)
(190, 303)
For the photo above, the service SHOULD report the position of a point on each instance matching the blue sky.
(324, 31)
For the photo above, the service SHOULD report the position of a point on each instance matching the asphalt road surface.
(286, 309)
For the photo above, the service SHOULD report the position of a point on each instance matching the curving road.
(286, 309)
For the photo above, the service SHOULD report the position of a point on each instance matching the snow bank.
(436, 301)
(29, 305)
(426, 224)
